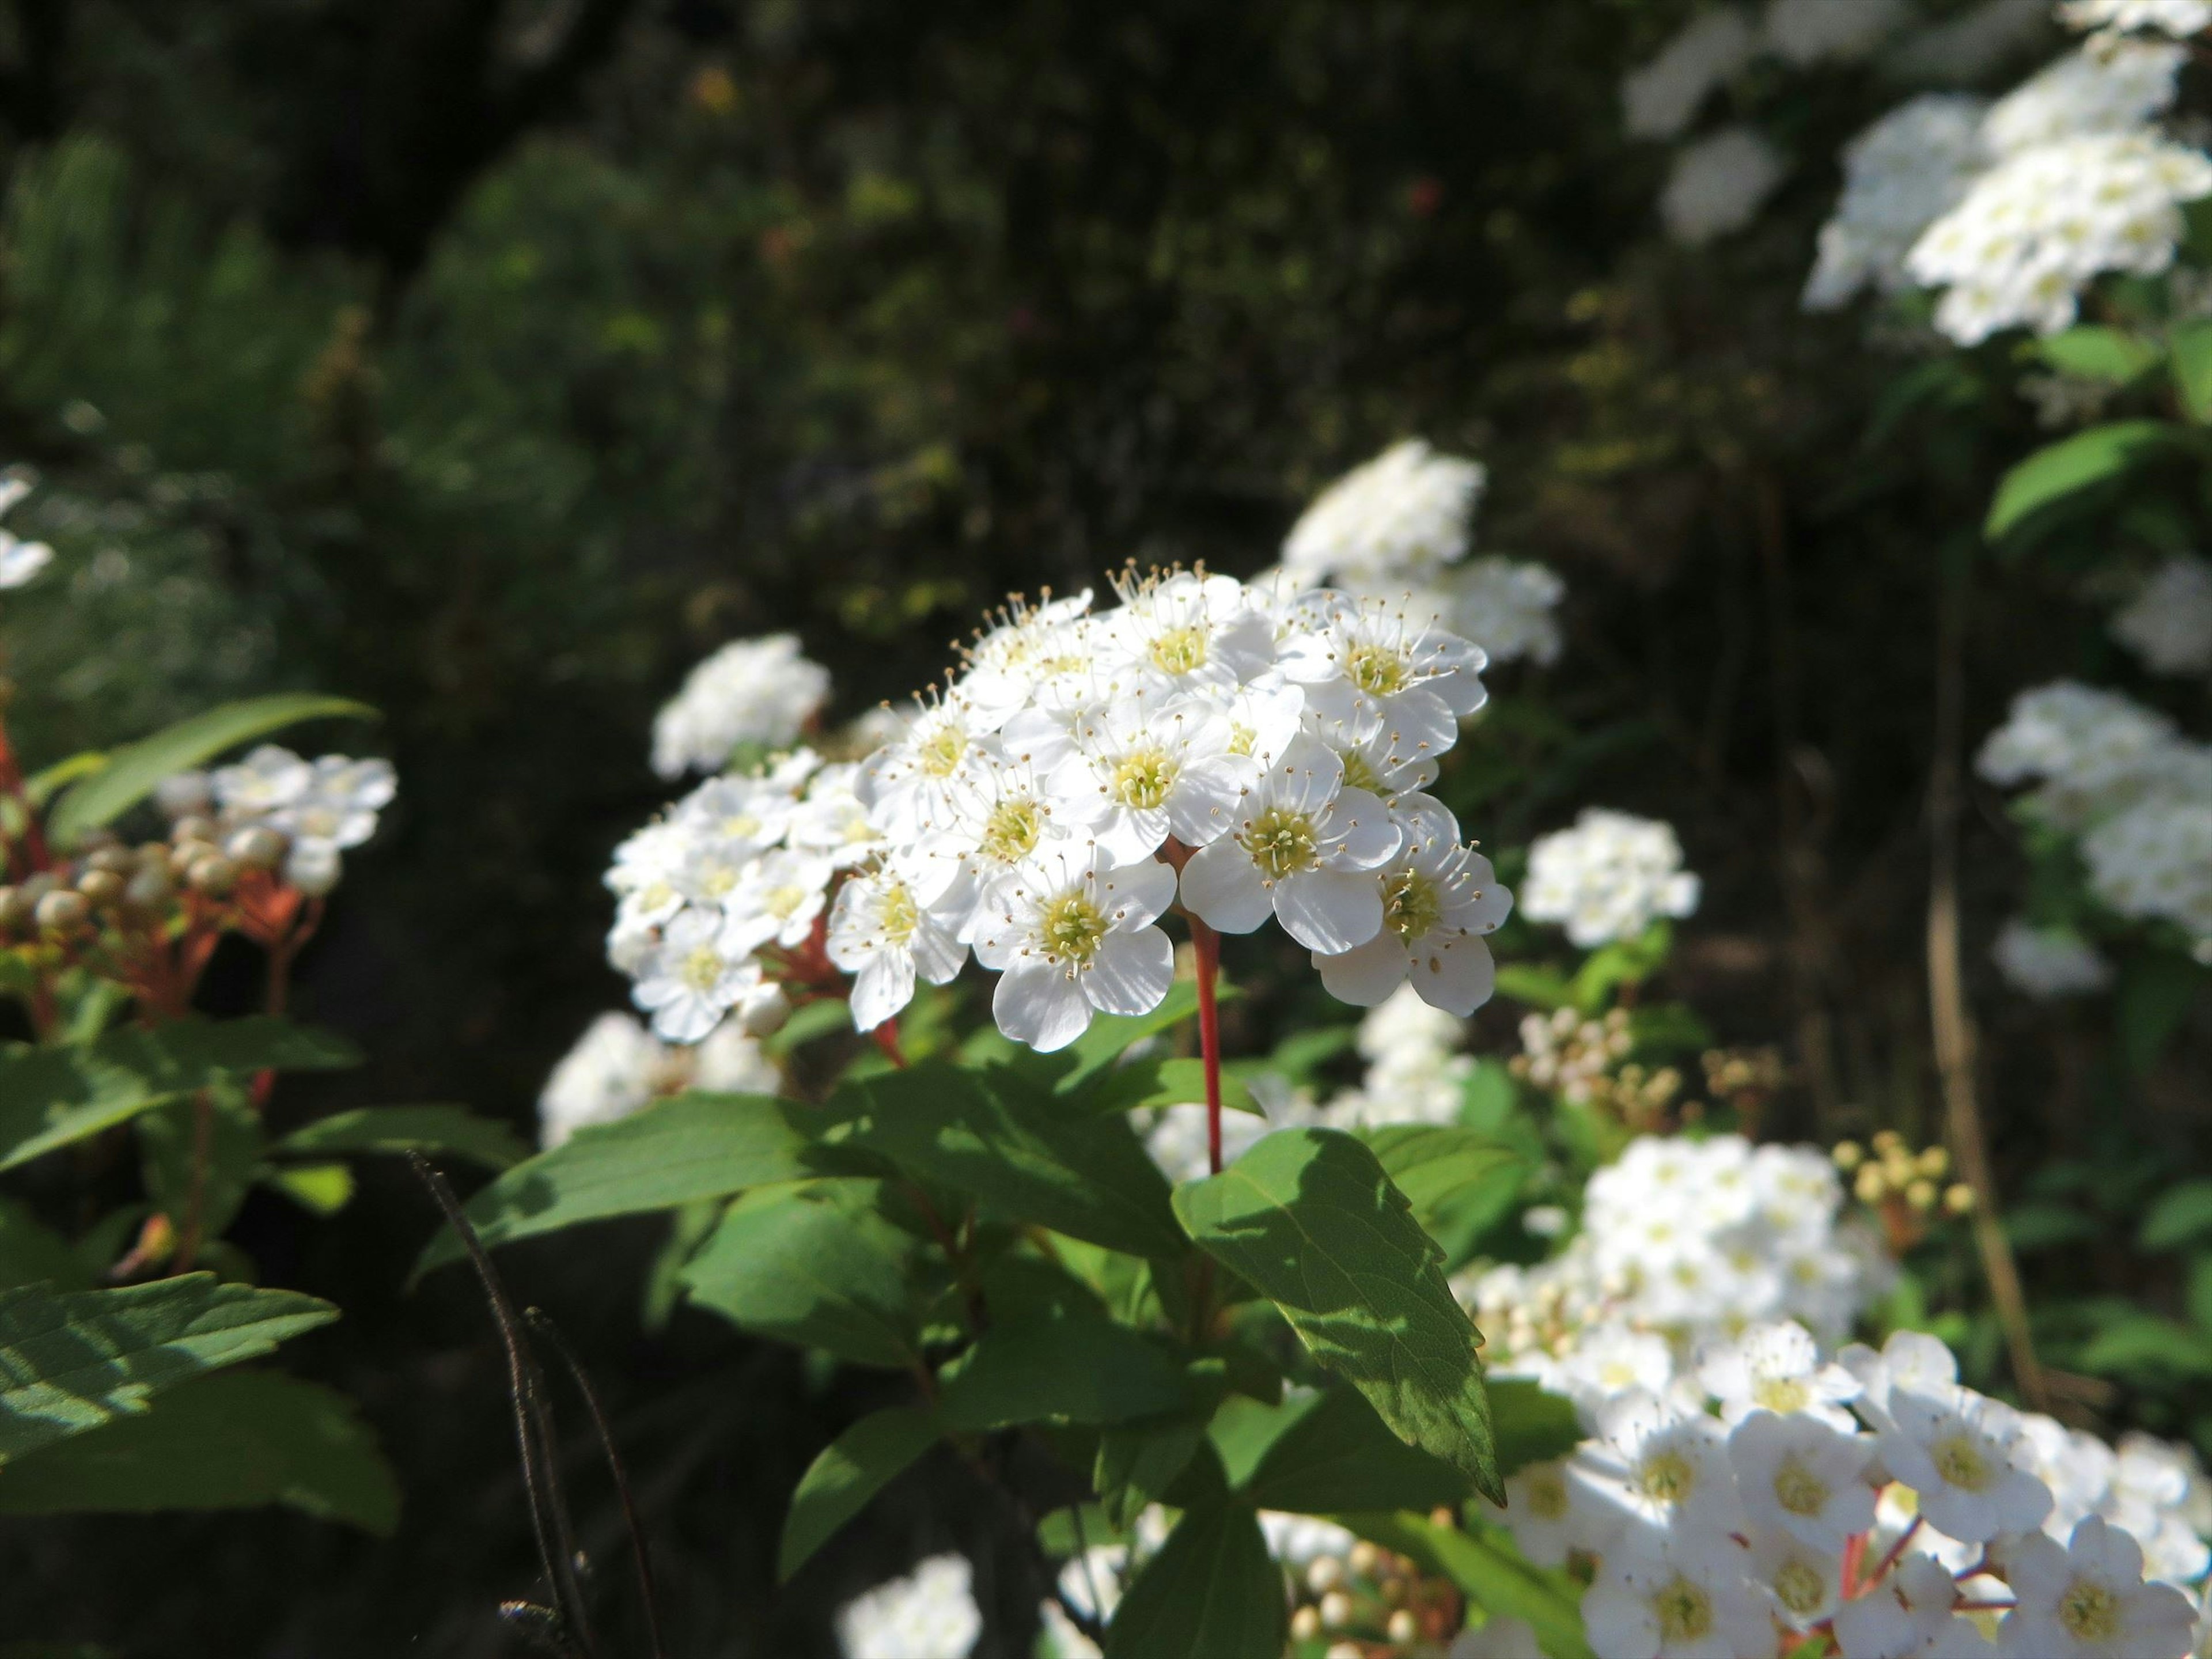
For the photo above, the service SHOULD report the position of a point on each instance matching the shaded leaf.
(1532, 1423)
(813, 1262)
(198, 1157)
(2192, 368)
(1332, 1452)
(2144, 1343)
(1138, 1462)
(454, 1131)
(1446, 1171)
(674, 1153)
(2074, 463)
(1309, 1217)
(1075, 1368)
(1109, 1036)
(132, 772)
(71, 1361)
(850, 1470)
(2093, 352)
(237, 1440)
(1177, 1082)
(1213, 1592)
(32, 1253)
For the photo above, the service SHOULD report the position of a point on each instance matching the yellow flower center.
(1411, 906)
(1358, 774)
(900, 914)
(702, 968)
(1668, 1477)
(1780, 1394)
(718, 882)
(1798, 1489)
(1013, 829)
(1378, 670)
(2090, 1611)
(1798, 1587)
(1963, 1464)
(942, 749)
(1282, 842)
(1685, 1612)
(1179, 650)
(741, 826)
(1072, 928)
(786, 900)
(1242, 738)
(1143, 778)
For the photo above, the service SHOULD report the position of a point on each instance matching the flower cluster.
(1253, 753)
(2048, 962)
(618, 1068)
(306, 813)
(20, 560)
(1900, 175)
(1681, 1242)
(759, 691)
(1718, 184)
(2168, 623)
(2136, 792)
(1659, 100)
(1608, 878)
(1401, 525)
(930, 1613)
(1765, 1488)
(2110, 19)
(1586, 1062)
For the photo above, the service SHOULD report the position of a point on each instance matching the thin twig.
(549, 1519)
(544, 1327)
(1952, 1020)
(1206, 944)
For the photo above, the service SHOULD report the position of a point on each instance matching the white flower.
(20, 561)
(1657, 1463)
(1137, 774)
(1610, 878)
(1438, 901)
(1806, 1581)
(340, 803)
(830, 819)
(1376, 665)
(1030, 647)
(691, 977)
(607, 1075)
(1550, 1516)
(760, 692)
(1901, 1616)
(1659, 99)
(2154, 861)
(270, 778)
(2168, 623)
(1181, 631)
(2113, 88)
(1507, 607)
(1900, 175)
(929, 1614)
(1718, 185)
(2088, 1599)
(2048, 962)
(1400, 518)
(1962, 1455)
(1178, 1139)
(993, 814)
(1610, 1359)
(1799, 1475)
(1072, 934)
(1301, 850)
(880, 933)
(911, 786)
(2178, 18)
(1676, 1595)
(1804, 31)
(776, 901)
(1777, 1368)
(1502, 1637)
(2091, 753)
(731, 1061)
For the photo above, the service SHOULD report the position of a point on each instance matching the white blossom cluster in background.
(1737, 1467)
(20, 560)
(2178, 19)
(320, 808)
(1718, 184)
(1608, 878)
(618, 1068)
(2168, 623)
(2136, 792)
(1259, 752)
(1416, 1074)
(2048, 962)
(1401, 525)
(758, 692)
(2014, 208)
(930, 1613)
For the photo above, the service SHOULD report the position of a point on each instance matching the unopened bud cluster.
(1586, 1062)
(1892, 1173)
(1367, 1602)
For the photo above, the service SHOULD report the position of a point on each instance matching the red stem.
(1207, 945)
(886, 1036)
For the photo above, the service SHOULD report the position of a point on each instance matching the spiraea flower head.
(751, 691)
(1071, 934)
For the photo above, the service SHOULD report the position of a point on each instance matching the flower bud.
(186, 853)
(100, 888)
(185, 795)
(213, 876)
(257, 847)
(151, 889)
(1958, 1198)
(1403, 1626)
(313, 866)
(1935, 1162)
(1323, 1574)
(64, 911)
(1305, 1624)
(1921, 1196)
(194, 827)
(1871, 1184)
(1848, 1155)
(1335, 1610)
(1886, 1141)
(111, 861)
(1344, 1650)
(1364, 1559)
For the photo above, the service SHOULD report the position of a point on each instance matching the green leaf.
(1138, 1462)
(1213, 1592)
(850, 1470)
(1309, 1217)
(453, 1130)
(2072, 464)
(1539, 988)
(1500, 1583)
(813, 1262)
(71, 1361)
(1177, 1082)
(814, 1019)
(1334, 1454)
(1024, 1153)
(1445, 1171)
(1072, 1368)
(31, 1252)
(674, 1153)
(238, 1440)
(2143, 1344)
(130, 772)
(198, 1157)
(319, 1189)
(1109, 1036)
(1533, 1425)
(39, 788)
(2180, 1214)
(2092, 352)
(2192, 368)
(2156, 990)
(51, 1097)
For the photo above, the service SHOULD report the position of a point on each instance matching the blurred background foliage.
(491, 361)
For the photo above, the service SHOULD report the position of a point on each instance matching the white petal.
(1135, 894)
(1330, 911)
(1223, 887)
(937, 955)
(1040, 1005)
(1366, 975)
(884, 987)
(1127, 834)
(1457, 976)
(1131, 972)
(1371, 837)
(1204, 804)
